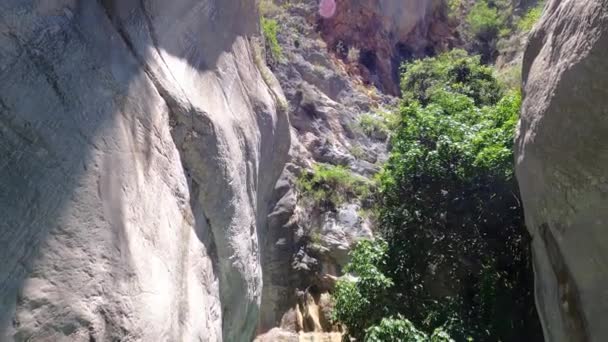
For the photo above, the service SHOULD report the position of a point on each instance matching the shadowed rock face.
(386, 32)
(562, 167)
(139, 146)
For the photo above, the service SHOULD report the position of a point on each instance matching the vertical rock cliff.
(139, 146)
(562, 167)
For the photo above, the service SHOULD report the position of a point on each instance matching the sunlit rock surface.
(562, 167)
(139, 146)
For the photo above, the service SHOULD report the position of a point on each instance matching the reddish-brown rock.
(386, 32)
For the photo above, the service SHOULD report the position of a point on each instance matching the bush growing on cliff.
(526, 22)
(453, 72)
(378, 125)
(373, 126)
(270, 29)
(329, 186)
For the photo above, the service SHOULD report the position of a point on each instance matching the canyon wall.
(140, 144)
(562, 167)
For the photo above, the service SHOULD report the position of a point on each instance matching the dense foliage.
(457, 251)
(395, 329)
(453, 72)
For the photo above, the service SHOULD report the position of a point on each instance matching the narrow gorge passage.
(303, 170)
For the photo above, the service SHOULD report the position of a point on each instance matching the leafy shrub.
(454, 72)
(526, 23)
(363, 302)
(395, 330)
(270, 28)
(440, 335)
(402, 330)
(378, 125)
(329, 186)
(373, 126)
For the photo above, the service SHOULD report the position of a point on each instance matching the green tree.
(457, 247)
(456, 254)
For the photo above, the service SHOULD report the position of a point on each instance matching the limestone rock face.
(139, 147)
(562, 167)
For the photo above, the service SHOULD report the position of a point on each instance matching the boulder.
(562, 167)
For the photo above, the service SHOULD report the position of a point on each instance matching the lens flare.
(327, 8)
